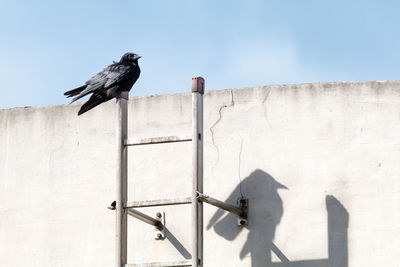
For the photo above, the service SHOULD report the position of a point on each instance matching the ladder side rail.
(121, 184)
(197, 163)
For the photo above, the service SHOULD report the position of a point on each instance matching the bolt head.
(159, 215)
(159, 236)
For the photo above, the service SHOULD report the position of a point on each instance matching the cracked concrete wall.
(318, 162)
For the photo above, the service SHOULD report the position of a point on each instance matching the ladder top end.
(198, 85)
(124, 95)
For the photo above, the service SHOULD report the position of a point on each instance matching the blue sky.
(48, 47)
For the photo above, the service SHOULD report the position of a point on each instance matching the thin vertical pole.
(197, 161)
(122, 192)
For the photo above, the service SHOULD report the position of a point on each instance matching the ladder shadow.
(265, 213)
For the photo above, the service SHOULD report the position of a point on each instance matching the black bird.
(115, 80)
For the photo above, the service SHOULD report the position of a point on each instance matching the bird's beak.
(137, 57)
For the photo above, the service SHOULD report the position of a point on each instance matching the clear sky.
(48, 47)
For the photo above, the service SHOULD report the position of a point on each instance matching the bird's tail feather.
(75, 91)
(94, 100)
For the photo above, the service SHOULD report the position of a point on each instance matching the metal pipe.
(158, 202)
(197, 162)
(157, 140)
(162, 264)
(121, 184)
(145, 218)
(215, 202)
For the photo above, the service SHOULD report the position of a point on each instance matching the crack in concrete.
(231, 104)
(264, 101)
(240, 162)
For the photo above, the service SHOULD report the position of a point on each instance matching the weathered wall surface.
(318, 162)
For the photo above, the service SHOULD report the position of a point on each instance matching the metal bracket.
(113, 205)
(240, 210)
(243, 204)
(159, 231)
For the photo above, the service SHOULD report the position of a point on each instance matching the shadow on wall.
(265, 212)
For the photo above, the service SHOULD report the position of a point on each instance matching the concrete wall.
(318, 162)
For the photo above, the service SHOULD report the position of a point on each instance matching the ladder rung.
(161, 264)
(158, 202)
(157, 140)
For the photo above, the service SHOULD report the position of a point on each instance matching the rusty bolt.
(159, 215)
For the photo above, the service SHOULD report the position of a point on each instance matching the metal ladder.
(123, 207)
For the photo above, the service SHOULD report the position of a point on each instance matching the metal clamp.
(159, 231)
(113, 205)
(243, 204)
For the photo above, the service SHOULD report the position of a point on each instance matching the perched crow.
(115, 80)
